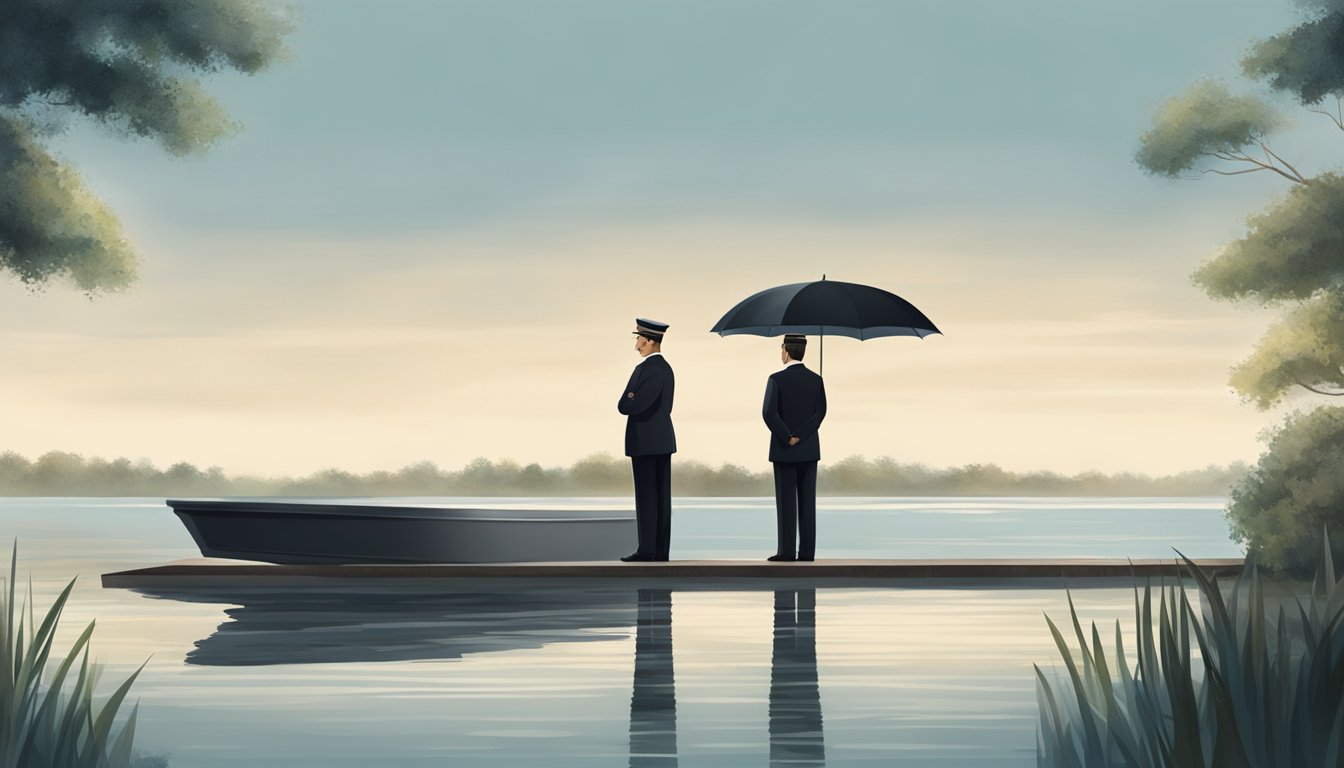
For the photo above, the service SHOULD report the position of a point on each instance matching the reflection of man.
(653, 705)
(650, 441)
(795, 404)
(795, 698)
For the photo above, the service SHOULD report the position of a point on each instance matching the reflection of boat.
(313, 532)
(306, 626)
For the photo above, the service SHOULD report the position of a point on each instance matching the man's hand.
(793, 441)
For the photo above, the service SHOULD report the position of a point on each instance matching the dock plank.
(207, 572)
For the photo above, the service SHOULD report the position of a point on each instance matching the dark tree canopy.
(1307, 60)
(131, 65)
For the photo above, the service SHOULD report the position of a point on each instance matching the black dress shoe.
(806, 559)
(637, 558)
(780, 558)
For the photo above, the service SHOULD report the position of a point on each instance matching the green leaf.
(120, 757)
(52, 700)
(103, 725)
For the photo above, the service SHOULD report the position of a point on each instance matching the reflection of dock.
(206, 572)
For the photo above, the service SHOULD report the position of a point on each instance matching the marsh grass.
(1232, 683)
(45, 719)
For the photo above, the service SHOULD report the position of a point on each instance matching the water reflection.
(268, 626)
(794, 705)
(653, 705)
(795, 697)
(319, 625)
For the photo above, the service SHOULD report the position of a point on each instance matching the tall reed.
(1264, 689)
(44, 720)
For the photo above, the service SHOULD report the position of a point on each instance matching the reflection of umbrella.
(825, 307)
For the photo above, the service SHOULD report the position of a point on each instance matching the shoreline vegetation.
(1248, 676)
(48, 720)
(59, 473)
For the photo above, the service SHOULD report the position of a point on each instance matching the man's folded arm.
(641, 393)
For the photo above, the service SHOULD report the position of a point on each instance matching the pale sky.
(431, 238)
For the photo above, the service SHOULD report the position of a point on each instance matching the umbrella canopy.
(825, 307)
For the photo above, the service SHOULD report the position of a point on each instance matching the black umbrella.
(825, 307)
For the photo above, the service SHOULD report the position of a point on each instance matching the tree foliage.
(1282, 507)
(50, 224)
(1302, 347)
(1307, 60)
(132, 66)
(1292, 256)
(1292, 251)
(60, 473)
(1204, 121)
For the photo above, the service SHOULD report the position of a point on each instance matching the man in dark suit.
(650, 441)
(795, 404)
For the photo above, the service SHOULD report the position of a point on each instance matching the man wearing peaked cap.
(650, 441)
(795, 404)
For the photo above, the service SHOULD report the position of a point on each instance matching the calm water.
(608, 674)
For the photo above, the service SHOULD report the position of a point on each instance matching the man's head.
(646, 346)
(793, 348)
(648, 336)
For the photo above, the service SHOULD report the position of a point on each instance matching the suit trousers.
(796, 508)
(653, 503)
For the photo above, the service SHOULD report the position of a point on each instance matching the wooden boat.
(362, 531)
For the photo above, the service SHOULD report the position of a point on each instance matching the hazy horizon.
(65, 474)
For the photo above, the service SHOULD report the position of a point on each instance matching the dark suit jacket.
(648, 424)
(795, 404)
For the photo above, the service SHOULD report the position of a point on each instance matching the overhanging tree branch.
(1291, 174)
(1232, 173)
(1286, 164)
(136, 72)
(1337, 118)
(1318, 391)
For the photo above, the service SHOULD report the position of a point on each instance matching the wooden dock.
(206, 572)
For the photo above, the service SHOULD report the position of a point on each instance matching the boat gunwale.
(262, 509)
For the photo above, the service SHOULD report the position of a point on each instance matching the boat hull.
(333, 533)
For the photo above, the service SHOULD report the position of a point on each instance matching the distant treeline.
(66, 474)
